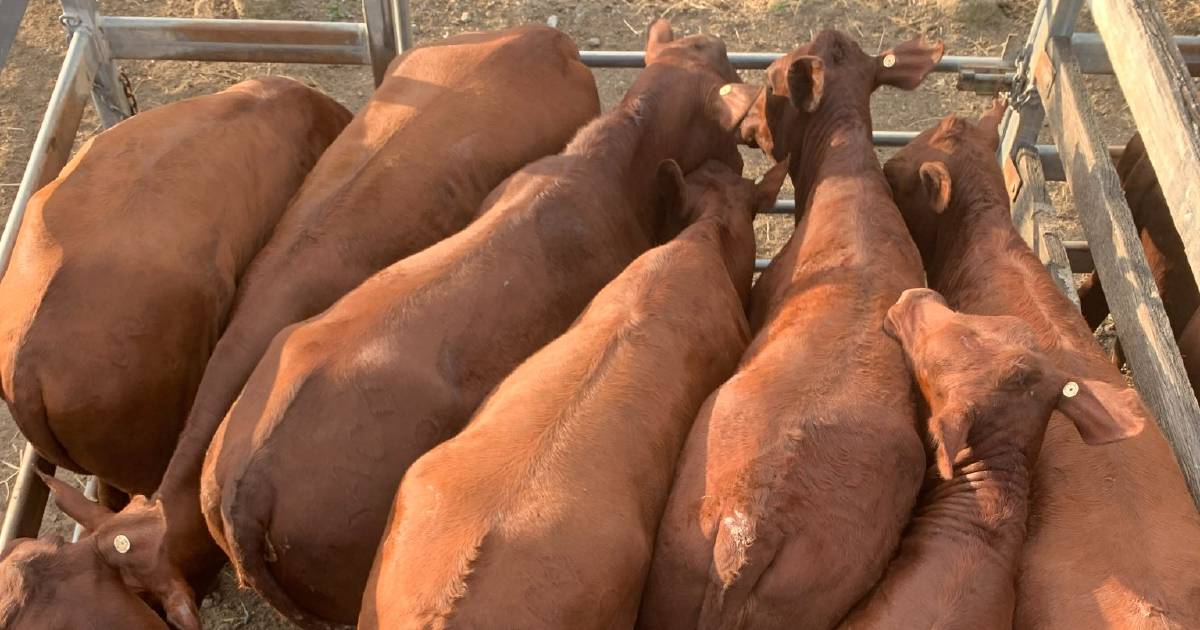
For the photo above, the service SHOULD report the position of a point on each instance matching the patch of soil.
(746, 25)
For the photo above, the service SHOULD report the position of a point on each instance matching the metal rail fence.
(1044, 76)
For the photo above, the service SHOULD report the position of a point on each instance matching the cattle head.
(990, 389)
(921, 174)
(831, 75)
(46, 584)
(691, 78)
(121, 562)
(717, 192)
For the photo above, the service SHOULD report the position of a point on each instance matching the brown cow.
(990, 392)
(122, 279)
(552, 495)
(125, 269)
(1165, 253)
(802, 469)
(400, 363)
(1114, 538)
(31, 568)
(410, 169)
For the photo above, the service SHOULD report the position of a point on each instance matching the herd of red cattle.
(481, 357)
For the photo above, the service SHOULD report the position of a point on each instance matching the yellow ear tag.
(1071, 389)
(726, 89)
(889, 60)
(121, 543)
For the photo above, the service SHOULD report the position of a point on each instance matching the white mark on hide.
(738, 527)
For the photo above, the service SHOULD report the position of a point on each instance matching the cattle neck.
(984, 503)
(736, 250)
(627, 144)
(978, 255)
(848, 225)
(836, 156)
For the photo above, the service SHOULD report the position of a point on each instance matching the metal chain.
(70, 23)
(1023, 90)
(127, 87)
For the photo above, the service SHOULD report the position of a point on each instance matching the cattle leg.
(1092, 301)
(1095, 308)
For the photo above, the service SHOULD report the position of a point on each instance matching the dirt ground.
(746, 25)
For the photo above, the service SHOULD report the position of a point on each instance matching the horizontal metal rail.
(760, 60)
(1093, 56)
(282, 41)
(1051, 164)
(1077, 252)
(258, 41)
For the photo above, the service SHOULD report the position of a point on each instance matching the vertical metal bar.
(108, 95)
(50, 150)
(11, 12)
(56, 135)
(23, 517)
(402, 25)
(381, 37)
(1063, 15)
(1016, 128)
(1021, 124)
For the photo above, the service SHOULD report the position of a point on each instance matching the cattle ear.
(754, 130)
(671, 197)
(733, 102)
(181, 609)
(989, 123)
(658, 35)
(935, 180)
(906, 65)
(767, 188)
(904, 323)
(86, 512)
(806, 82)
(948, 431)
(1103, 412)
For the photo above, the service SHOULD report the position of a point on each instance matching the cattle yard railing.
(1154, 76)
(1044, 77)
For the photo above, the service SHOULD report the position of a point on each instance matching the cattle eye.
(1020, 373)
